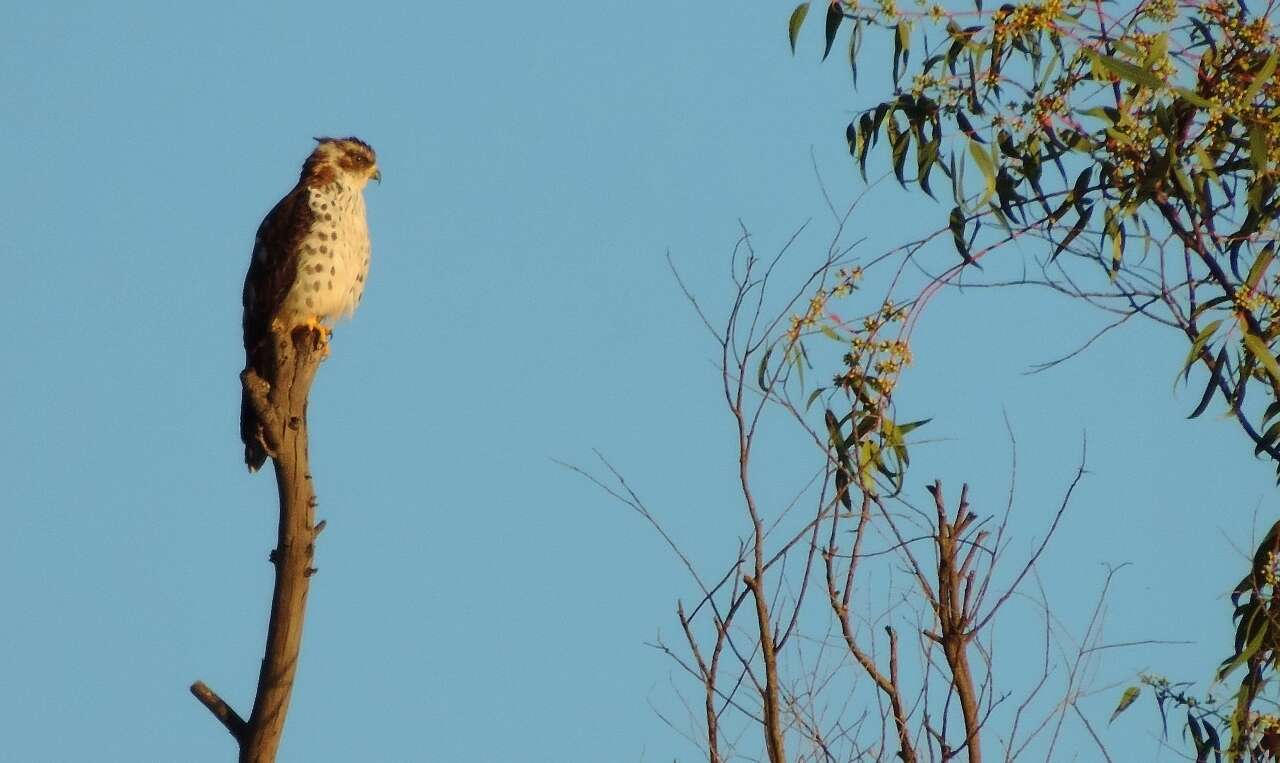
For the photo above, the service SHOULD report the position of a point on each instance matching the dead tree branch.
(283, 410)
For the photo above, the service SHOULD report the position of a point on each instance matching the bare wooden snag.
(283, 409)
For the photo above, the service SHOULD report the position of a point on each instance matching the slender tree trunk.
(955, 618)
(283, 409)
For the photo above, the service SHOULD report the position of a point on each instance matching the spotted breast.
(333, 259)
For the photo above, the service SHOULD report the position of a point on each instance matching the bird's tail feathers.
(255, 450)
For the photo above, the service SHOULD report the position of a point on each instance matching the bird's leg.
(322, 331)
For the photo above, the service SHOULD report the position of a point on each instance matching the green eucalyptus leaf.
(834, 17)
(1254, 631)
(1206, 397)
(1193, 98)
(1128, 698)
(1258, 160)
(1260, 265)
(1261, 76)
(983, 160)
(1135, 74)
(911, 425)
(1197, 345)
(855, 45)
(762, 373)
(956, 223)
(1071, 234)
(967, 128)
(1259, 350)
(813, 396)
(1267, 439)
(793, 26)
(926, 157)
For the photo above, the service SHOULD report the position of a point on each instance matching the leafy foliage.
(1141, 139)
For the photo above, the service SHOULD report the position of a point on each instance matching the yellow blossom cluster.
(1264, 723)
(1025, 19)
(1131, 146)
(1262, 305)
(1048, 106)
(846, 281)
(1014, 123)
(1226, 81)
(1155, 53)
(809, 318)
(1269, 572)
(1235, 25)
(1242, 82)
(872, 364)
(1164, 11)
(1258, 302)
(922, 82)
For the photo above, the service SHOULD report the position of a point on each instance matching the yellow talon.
(313, 324)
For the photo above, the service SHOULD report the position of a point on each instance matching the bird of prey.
(310, 260)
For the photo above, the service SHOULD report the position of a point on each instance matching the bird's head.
(349, 161)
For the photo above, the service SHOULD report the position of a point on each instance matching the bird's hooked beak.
(377, 175)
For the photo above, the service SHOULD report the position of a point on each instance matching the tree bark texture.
(282, 407)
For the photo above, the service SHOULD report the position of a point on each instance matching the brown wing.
(272, 270)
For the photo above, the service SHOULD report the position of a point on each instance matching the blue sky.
(475, 601)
